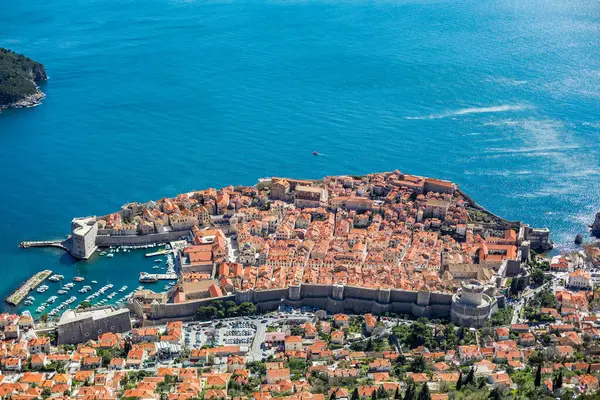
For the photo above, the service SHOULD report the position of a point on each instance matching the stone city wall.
(182, 310)
(128, 240)
(336, 299)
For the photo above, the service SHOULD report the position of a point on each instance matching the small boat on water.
(56, 278)
(124, 288)
(28, 302)
(42, 289)
(315, 153)
(158, 260)
(94, 282)
(62, 291)
(110, 255)
(30, 298)
(78, 279)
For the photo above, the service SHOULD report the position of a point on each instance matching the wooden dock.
(18, 295)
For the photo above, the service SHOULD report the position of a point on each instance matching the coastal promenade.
(18, 295)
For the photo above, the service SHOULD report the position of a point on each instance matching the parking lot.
(238, 332)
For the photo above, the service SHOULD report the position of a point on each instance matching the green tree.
(558, 382)
(420, 333)
(381, 393)
(397, 394)
(470, 379)
(374, 395)
(418, 364)
(538, 376)
(495, 394)
(411, 391)
(85, 304)
(537, 276)
(424, 393)
(355, 395)
(459, 382)
(332, 397)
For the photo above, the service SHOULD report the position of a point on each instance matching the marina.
(18, 295)
(82, 283)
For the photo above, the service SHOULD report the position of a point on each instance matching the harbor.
(18, 295)
(94, 282)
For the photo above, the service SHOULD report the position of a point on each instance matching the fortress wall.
(268, 306)
(270, 295)
(314, 290)
(440, 298)
(106, 240)
(182, 310)
(356, 292)
(403, 296)
(355, 300)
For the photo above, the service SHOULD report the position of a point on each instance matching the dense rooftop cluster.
(386, 230)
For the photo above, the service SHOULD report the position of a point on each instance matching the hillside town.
(373, 287)
(551, 350)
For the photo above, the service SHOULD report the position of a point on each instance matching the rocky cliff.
(19, 78)
(596, 226)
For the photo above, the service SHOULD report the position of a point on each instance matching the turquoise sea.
(151, 98)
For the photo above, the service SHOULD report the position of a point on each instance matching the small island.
(19, 78)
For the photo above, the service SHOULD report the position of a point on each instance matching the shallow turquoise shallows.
(151, 98)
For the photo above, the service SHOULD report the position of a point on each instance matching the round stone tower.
(471, 307)
(471, 293)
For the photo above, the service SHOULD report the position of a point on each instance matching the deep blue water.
(151, 98)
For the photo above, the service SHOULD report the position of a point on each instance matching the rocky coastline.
(31, 100)
(19, 79)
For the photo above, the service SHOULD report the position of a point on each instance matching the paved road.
(255, 351)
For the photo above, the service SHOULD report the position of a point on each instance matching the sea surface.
(151, 98)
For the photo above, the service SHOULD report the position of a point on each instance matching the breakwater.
(61, 244)
(18, 295)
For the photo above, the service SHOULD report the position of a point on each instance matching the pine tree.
(424, 393)
(589, 369)
(459, 382)
(127, 346)
(332, 397)
(397, 394)
(558, 382)
(410, 393)
(381, 394)
(495, 394)
(374, 395)
(538, 376)
(470, 379)
(355, 394)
